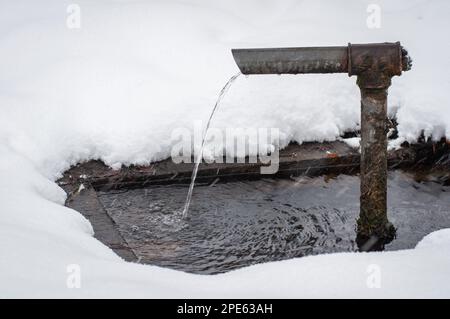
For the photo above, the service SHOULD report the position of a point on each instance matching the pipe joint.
(376, 63)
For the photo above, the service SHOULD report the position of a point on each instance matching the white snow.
(117, 87)
(353, 142)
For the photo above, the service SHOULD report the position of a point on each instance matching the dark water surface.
(237, 224)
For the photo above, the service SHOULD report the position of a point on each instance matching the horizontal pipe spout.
(291, 60)
(388, 59)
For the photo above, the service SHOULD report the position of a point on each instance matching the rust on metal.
(292, 60)
(374, 66)
(387, 58)
(373, 219)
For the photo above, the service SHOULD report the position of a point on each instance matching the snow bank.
(41, 239)
(116, 88)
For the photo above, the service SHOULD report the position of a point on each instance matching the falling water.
(198, 160)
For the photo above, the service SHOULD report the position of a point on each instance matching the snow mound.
(439, 239)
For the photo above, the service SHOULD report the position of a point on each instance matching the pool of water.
(232, 225)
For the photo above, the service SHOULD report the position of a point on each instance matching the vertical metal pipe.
(374, 228)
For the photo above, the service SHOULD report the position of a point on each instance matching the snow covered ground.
(117, 87)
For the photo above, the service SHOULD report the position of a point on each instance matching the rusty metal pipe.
(292, 60)
(353, 59)
(374, 229)
(374, 64)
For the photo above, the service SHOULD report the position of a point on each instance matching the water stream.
(199, 157)
(237, 224)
